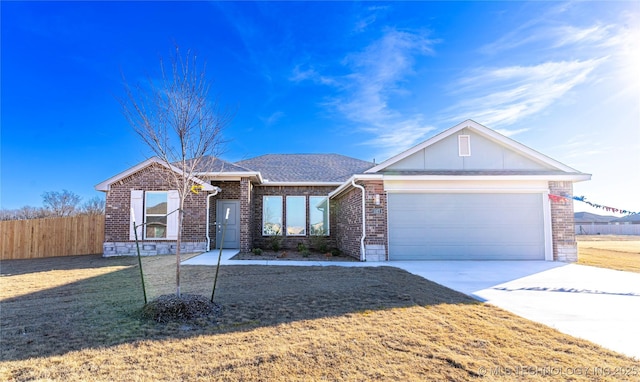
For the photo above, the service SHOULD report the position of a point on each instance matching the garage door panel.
(466, 226)
(460, 252)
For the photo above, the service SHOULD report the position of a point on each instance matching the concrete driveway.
(599, 305)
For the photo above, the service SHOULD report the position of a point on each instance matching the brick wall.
(259, 241)
(349, 226)
(347, 212)
(117, 215)
(562, 224)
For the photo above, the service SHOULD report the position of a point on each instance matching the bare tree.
(24, 213)
(93, 206)
(63, 203)
(177, 120)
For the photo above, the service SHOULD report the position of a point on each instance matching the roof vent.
(464, 145)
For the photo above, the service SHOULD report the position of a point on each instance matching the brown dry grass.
(77, 319)
(610, 251)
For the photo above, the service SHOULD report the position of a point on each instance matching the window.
(272, 215)
(151, 209)
(319, 216)
(155, 214)
(296, 216)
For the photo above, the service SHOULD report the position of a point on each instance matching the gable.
(488, 153)
(484, 154)
(152, 164)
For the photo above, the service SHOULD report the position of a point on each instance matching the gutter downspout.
(217, 189)
(363, 254)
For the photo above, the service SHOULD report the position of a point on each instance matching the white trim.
(136, 203)
(552, 177)
(548, 233)
(106, 185)
(231, 175)
(464, 191)
(173, 203)
(348, 184)
(464, 145)
(331, 184)
(484, 131)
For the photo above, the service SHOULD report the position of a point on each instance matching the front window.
(296, 216)
(155, 214)
(272, 215)
(319, 216)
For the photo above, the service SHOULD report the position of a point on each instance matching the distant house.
(593, 224)
(467, 193)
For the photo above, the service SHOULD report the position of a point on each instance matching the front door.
(230, 220)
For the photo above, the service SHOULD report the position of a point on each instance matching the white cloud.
(500, 97)
(273, 118)
(511, 133)
(298, 74)
(377, 73)
(569, 35)
(581, 146)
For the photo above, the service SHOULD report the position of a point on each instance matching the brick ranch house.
(466, 193)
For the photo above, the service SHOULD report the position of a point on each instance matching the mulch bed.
(292, 255)
(186, 308)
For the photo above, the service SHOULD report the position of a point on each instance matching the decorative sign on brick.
(376, 211)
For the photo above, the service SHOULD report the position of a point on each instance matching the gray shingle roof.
(306, 167)
(214, 164)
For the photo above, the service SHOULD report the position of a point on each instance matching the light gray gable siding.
(486, 154)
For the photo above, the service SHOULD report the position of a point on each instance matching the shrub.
(319, 243)
(301, 247)
(257, 251)
(276, 241)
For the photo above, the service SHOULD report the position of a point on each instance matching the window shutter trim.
(137, 197)
(173, 203)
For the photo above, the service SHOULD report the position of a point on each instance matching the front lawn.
(77, 319)
(610, 251)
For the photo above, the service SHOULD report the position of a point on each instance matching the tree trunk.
(178, 241)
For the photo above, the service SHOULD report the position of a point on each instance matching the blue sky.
(364, 79)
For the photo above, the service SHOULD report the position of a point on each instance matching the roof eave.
(346, 185)
(276, 183)
(232, 175)
(575, 177)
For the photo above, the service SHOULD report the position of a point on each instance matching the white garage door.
(465, 226)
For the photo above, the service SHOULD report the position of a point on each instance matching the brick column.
(376, 221)
(565, 247)
(246, 237)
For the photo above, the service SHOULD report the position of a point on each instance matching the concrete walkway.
(599, 305)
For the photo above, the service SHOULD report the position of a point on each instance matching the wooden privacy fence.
(38, 238)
